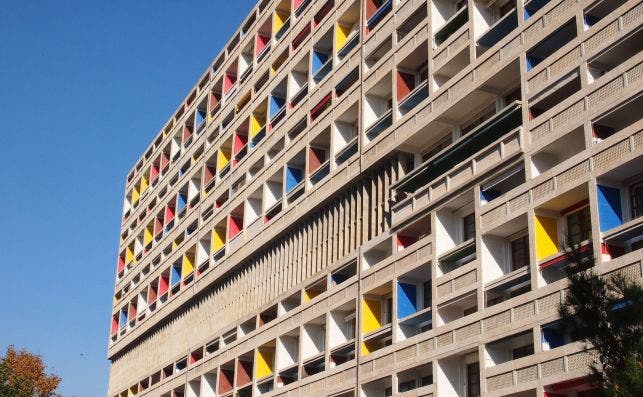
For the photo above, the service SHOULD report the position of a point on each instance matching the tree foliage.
(22, 374)
(607, 313)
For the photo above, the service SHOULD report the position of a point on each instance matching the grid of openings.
(353, 186)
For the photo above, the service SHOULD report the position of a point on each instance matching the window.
(468, 227)
(579, 226)
(473, 380)
(522, 351)
(427, 294)
(388, 310)
(435, 149)
(470, 310)
(519, 252)
(636, 198)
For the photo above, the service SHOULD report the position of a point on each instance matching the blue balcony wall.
(610, 214)
(406, 300)
(293, 177)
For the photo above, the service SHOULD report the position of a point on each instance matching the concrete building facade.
(372, 198)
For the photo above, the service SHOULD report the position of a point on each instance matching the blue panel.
(319, 59)
(293, 177)
(381, 12)
(276, 103)
(406, 300)
(181, 201)
(123, 319)
(610, 213)
(532, 61)
(552, 337)
(200, 117)
(175, 275)
(339, 278)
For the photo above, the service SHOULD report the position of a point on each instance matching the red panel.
(239, 142)
(121, 262)
(371, 7)
(601, 131)
(165, 161)
(151, 294)
(262, 42)
(225, 381)
(563, 257)
(169, 214)
(208, 174)
(244, 373)
(405, 241)
(315, 158)
(405, 84)
(163, 285)
(158, 226)
(323, 11)
(297, 3)
(154, 169)
(187, 132)
(301, 36)
(321, 106)
(132, 311)
(228, 82)
(114, 328)
(235, 226)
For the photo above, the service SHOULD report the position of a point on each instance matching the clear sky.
(84, 88)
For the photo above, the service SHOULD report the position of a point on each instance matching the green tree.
(22, 374)
(607, 313)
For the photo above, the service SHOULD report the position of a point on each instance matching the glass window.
(579, 226)
(468, 227)
(522, 351)
(519, 252)
(473, 380)
(636, 198)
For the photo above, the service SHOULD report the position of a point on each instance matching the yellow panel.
(371, 315)
(129, 255)
(218, 240)
(255, 125)
(546, 236)
(342, 35)
(188, 266)
(148, 235)
(310, 294)
(279, 20)
(367, 348)
(135, 195)
(264, 364)
(116, 300)
(144, 184)
(222, 160)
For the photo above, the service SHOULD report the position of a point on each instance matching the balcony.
(480, 137)
(455, 22)
(383, 8)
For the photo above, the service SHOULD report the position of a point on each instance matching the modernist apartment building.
(372, 198)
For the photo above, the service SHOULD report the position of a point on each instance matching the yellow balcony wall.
(264, 364)
(223, 158)
(371, 315)
(279, 20)
(148, 235)
(546, 236)
(144, 184)
(218, 240)
(343, 32)
(187, 267)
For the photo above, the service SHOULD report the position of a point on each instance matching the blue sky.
(84, 87)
